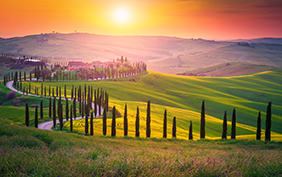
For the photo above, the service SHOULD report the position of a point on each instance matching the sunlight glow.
(121, 15)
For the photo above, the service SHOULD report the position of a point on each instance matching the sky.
(207, 19)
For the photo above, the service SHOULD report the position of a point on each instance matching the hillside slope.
(228, 69)
(182, 97)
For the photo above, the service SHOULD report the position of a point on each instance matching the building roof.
(76, 63)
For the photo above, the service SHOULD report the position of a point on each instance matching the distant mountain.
(163, 54)
(261, 40)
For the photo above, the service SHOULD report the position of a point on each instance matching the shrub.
(17, 102)
(10, 95)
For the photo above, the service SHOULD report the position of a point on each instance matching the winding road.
(46, 125)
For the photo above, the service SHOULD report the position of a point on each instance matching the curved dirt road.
(46, 125)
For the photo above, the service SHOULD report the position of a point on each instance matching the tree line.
(87, 113)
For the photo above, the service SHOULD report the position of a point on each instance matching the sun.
(121, 15)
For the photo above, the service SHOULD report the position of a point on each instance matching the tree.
(190, 131)
(4, 81)
(91, 124)
(36, 118)
(61, 116)
(258, 137)
(125, 121)
(174, 128)
(74, 107)
(202, 132)
(113, 121)
(224, 130)
(54, 112)
(233, 128)
(268, 123)
(104, 123)
(41, 109)
(50, 109)
(67, 109)
(95, 103)
(71, 118)
(26, 115)
(86, 120)
(148, 122)
(165, 125)
(65, 91)
(137, 124)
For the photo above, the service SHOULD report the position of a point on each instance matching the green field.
(26, 151)
(182, 97)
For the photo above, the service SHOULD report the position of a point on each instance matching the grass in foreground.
(30, 152)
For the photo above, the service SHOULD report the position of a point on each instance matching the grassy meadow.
(183, 96)
(26, 151)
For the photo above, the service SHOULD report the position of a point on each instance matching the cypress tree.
(86, 120)
(79, 100)
(26, 115)
(49, 90)
(203, 124)
(174, 128)
(113, 121)
(72, 92)
(41, 109)
(61, 117)
(4, 81)
(190, 131)
(30, 76)
(258, 137)
(224, 130)
(165, 125)
(41, 89)
(24, 76)
(36, 118)
(74, 108)
(95, 103)
(82, 111)
(65, 91)
(50, 109)
(91, 124)
(60, 91)
(137, 124)
(233, 128)
(67, 109)
(71, 118)
(54, 112)
(148, 122)
(45, 91)
(268, 123)
(104, 123)
(125, 121)
(100, 103)
(57, 91)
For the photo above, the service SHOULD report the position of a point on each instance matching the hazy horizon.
(207, 19)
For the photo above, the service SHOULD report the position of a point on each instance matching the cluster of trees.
(88, 99)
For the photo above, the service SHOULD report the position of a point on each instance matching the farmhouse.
(74, 65)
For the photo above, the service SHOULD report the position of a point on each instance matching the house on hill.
(75, 65)
(98, 64)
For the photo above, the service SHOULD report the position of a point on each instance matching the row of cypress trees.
(233, 126)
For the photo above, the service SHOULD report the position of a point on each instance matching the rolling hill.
(163, 54)
(182, 97)
(228, 69)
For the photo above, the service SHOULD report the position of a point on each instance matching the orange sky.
(208, 19)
